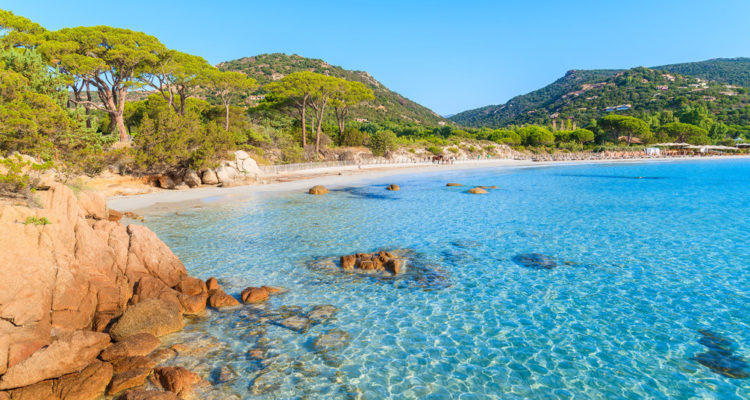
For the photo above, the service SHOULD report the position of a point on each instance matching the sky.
(450, 56)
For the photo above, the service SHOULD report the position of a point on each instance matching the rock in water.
(153, 316)
(720, 356)
(335, 339)
(217, 298)
(535, 261)
(477, 190)
(453, 184)
(177, 380)
(318, 190)
(294, 323)
(393, 187)
(321, 313)
(254, 295)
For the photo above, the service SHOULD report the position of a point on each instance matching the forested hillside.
(388, 106)
(732, 71)
(581, 96)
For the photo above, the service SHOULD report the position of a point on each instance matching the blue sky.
(447, 55)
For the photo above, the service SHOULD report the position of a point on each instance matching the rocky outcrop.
(477, 190)
(379, 262)
(318, 190)
(69, 286)
(217, 298)
(71, 352)
(208, 177)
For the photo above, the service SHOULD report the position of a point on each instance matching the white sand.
(331, 177)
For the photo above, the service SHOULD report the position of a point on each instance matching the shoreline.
(343, 176)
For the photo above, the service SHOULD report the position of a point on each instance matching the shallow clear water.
(642, 266)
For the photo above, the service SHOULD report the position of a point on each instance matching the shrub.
(353, 137)
(435, 150)
(36, 221)
(19, 177)
(453, 150)
(381, 142)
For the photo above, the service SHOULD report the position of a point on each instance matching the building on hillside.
(621, 107)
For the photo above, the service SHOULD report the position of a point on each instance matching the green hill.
(387, 106)
(583, 95)
(732, 71)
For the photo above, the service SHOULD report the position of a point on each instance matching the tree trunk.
(629, 138)
(226, 119)
(304, 122)
(320, 123)
(88, 106)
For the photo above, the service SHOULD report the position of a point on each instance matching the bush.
(353, 137)
(16, 179)
(381, 142)
(435, 150)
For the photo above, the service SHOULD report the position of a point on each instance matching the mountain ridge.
(387, 106)
(551, 99)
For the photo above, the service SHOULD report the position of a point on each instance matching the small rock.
(209, 177)
(161, 355)
(212, 284)
(225, 374)
(294, 323)
(191, 178)
(393, 187)
(318, 190)
(321, 313)
(453, 184)
(477, 190)
(254, 295)
(177, 380)
(128, 380)
(114, 215)
(335, 339)
(348, 261)
(143, 394)
(257, 353)
(487, 187)
(217, 298)
(272, 290)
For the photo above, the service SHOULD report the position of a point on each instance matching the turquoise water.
(641, 265)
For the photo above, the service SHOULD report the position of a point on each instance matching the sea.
(582, 281)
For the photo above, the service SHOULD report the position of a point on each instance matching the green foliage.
(734, 71)
(18, 176)
(387, 106)
(435, 150)
(36, 221)
(629, 127)
(171, 141)
(683, 133)
(353, 137)
(40, 77)
(381, 142)
(536, 136)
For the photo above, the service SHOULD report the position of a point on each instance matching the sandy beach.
(160, 200)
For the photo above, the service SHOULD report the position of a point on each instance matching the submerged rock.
(335, 339)
(322, 313)
(295, 323)
(453, 184)
(535, 261)
(720, 356)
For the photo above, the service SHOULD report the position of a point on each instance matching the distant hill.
(583, 95)
(387, 106)
(733, 71)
